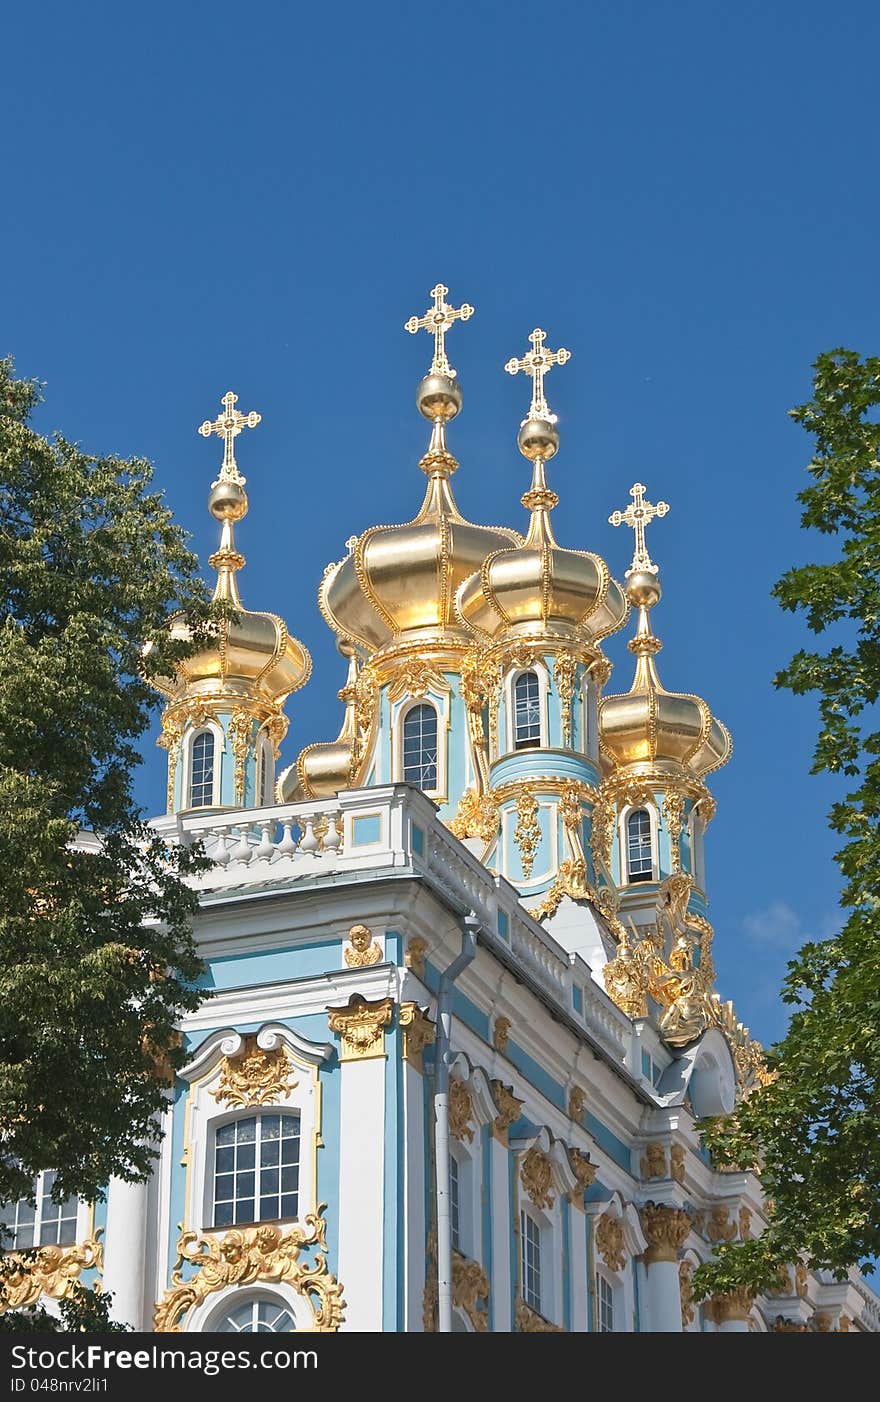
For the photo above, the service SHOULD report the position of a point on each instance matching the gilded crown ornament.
(437, 321)
(228, 426)
(638, 515)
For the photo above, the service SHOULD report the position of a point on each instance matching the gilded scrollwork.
(461, 1110)
(609, 1241)
(254, 1077)
(536, 1176)
(47, 1270)
(361, 1027)
(240, 735)
(476, 816)
(564, 673)
(415, 677)
(528, 1321)
(673, 812)
(527, 833)
(508, 1106)
(246, 1255)
(584, 1170)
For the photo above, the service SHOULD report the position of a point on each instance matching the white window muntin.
(186, 777)
(510, 682)
(399, 713)
(255, 1166)
(532, 1264)
(623, 841)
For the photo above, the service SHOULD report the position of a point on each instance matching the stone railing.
(394, 827)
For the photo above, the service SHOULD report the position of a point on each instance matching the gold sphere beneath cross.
(538, 438)
(643, 588)
(438, 397)
(227, 500)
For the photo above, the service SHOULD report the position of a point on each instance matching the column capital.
(735, 1304)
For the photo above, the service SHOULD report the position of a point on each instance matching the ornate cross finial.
(228, 426)
(437, 320)
(536, 363)
(639, 515)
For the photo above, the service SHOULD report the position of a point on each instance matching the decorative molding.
(47, 1270)
(653, 1164)
(735, 1304)
(509, 1109)
(577, 1103)
(414, 958)
(418, 1032)
(500, 1032)
(527, 833)
(584, 1171)
(476, 816)
(609, 1241)
(673, 812)
(719, 1226)
(245, 1255)
(416, 678)
(239, 732)
(470, 1285)
(361, 1027)
(528, 1321)
(676, 1162)
(666, 1229)
(536, 1176)
(363, 950)
(461, 1110)
(564, 672)
(688, 1309)
(255, 1075)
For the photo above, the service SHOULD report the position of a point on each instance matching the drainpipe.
(470, 926)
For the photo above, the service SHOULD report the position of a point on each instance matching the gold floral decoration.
(255, 1077)
(508, 1106)
(666, 1229)
(536, 1176)
(363, 951)
(461, 1110)
(245, 1255)
(418, 1032)
(501, 1032)
(361, 1026)
(48, 1270)
(476, 816)
(602, 832)
(564, 672)
(609, 1241)
(414, 678)
(527, 833)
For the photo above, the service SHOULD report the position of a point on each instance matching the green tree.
(84, 1312)
(815, 1131)
(97, 961)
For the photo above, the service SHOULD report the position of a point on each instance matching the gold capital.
(536, 363)
(639, 515)
(228, 426)
(437, 321)
(361, 1027)
(667, 1229)
(418, 1032)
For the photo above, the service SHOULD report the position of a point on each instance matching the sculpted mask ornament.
(536, 1176)
(577, 1101)
(255, 1077)
(461, 1110)
(719, 1226)
(244, 1256)
(609, 1241)
(363, 951)
(653, 1163)
(676, 1162)
(50, 1270)
(527, 833)
(500, 1033)
(685, 1271)
(508, 1107)
(416, 949)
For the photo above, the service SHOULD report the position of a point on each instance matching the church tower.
(225, 720)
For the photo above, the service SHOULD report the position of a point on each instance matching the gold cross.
(639, 515)
(536, 363)
(228, 426)
(438, 319)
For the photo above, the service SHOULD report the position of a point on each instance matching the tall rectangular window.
(605, 1301)
(531, 1261)
(420, 747)
(201, 783)
(640, 854)
(526, 712)
(47, 1223)
(256, 1169)
(454, 1202)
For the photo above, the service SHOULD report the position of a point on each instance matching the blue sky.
(203, 197)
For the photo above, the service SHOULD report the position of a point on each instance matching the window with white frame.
(265, 774)
(257, 1315)
(39, 1223)
(455, 1202)
(639, 846)
(530, 1235)
(420, 747)
(604, 1304)
(201, 770)
(526, 712)
(256, 1169)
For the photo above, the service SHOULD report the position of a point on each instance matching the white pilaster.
(577, 1259)
(125, 1251)
(663, 1298)
(414, 1196)
(361, 1175)
(501, 1263)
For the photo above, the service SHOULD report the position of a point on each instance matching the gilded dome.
(324, 768)
(539, 586)
(398, 583)
(648, 725)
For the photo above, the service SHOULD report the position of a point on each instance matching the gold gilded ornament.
(418, 1032)
(416, 949)
(564, 673)
(685, 1271)
(744, 1222)
(653, 1163)
(528, 1321)
(476, 816)
(719, 1226)
(240, 728)
(245, 1256)
(577, 1101)
(470, 1285)
(735, 1304)
(228, 426)
(508, 1106)
(255, 1077)
(536, 1176)
(461, 1110)
(609, 1241)
(536, 363)
(527, 833)
(414, 678)
(500, 1032)
(666, 1229)
(676, 1162)
(673, 812)
(48, 1270)
(361, 1026)
(437, 320)
(584, 1171)
(800, 1279)
(638, 515)
(363, 951)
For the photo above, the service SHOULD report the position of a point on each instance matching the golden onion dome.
(251, 655)
(398, 583)
(649, 726)
(322, 769)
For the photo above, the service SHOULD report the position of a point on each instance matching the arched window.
(256, 1169)
(43, 1223)
(258, 1315)
(526, 712)
(420, 747)
(639, 851)
(201, 773)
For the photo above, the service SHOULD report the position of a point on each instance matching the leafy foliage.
(97, 960)
(85, 1312)
(816, 1128)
